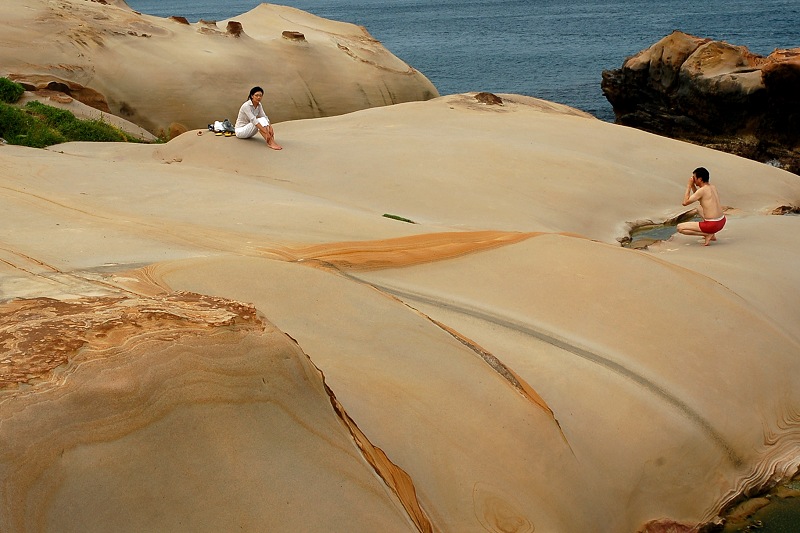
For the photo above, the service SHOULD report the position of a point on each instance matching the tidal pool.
(644, 235)
(776, 512)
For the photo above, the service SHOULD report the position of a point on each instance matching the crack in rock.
(395, 478)
(588, 355)
(525, 389)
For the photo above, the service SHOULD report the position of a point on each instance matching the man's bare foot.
(274, 145)
(708, 239)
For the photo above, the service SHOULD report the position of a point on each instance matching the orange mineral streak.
(40, 334)
(509, 375)
(401, 251)
(514, 379)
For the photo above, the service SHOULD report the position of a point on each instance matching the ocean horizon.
(542, 48)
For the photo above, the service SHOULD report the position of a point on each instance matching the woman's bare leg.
(271, 140)
(269, 135)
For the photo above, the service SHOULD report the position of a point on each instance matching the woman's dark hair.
(700, 172)
(255, 90)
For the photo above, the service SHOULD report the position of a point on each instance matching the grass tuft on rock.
(10, 92)
(39, 125)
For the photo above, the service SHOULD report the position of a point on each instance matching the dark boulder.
(715, 94)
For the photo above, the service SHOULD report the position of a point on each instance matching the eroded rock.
(175, 129)
(325, 82)
(234, 28)
(55, 85)
(713, 93)
(293, 36)
(160, 403)
(489, 98)
(40, 334)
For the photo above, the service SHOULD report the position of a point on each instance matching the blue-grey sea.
(551, 49)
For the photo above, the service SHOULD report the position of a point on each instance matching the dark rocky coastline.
(715, 94)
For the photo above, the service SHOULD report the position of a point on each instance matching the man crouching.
(699, 190)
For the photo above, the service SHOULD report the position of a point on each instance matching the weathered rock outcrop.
(207, 335)
(168, 74)
(87, 382)
(715, 94)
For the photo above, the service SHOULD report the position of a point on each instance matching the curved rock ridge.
(171, 75)
(151, 400)
(544, 342)
(713, 93)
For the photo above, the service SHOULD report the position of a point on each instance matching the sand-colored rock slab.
(683, 455)
(498, 363)
(165, 74)
(755, 280)
(528, 165)
(180, 412)
(406, 381)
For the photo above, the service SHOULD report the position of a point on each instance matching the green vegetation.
(397, 217)
(20, 127)
(10, 91)
(39, 125)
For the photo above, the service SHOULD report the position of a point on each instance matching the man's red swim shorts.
(712, 226)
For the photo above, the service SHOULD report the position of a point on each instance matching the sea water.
(549, 49)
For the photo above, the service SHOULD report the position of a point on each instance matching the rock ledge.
(714, 94)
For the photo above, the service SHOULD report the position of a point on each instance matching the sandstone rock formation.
(715, 94)
(165, 73)
(208, 334)
(199, 404)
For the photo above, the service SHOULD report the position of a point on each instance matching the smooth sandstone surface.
(167, 75)
(231, 336)
(162, 421)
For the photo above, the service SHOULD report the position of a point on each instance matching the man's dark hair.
(702, 173)
(255, 90)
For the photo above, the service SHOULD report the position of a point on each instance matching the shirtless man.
(699, 190)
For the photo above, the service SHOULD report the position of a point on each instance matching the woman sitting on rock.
(252, 120)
